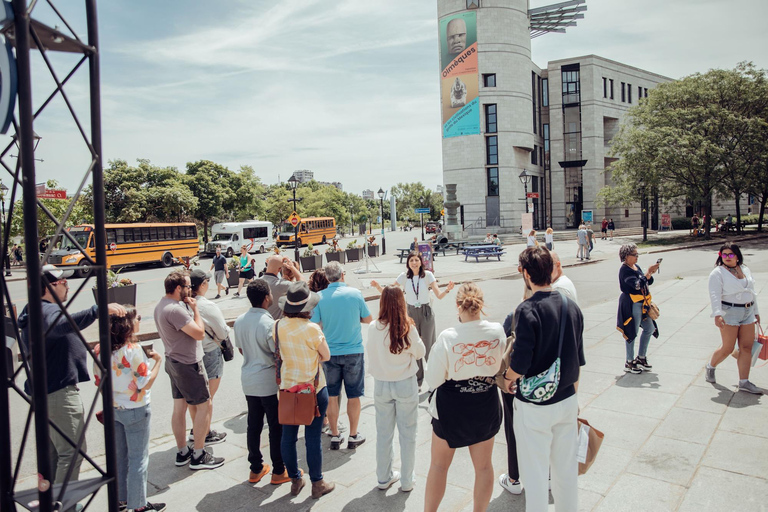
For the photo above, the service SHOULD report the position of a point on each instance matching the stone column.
(451, 204)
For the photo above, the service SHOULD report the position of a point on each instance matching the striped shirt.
(299, 339)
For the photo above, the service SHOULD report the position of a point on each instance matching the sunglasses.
(727, 256)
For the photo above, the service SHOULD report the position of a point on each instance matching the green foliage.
(82, 213)
(409, 197)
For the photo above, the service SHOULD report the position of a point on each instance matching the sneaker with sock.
(512, 486)
(183, 456)
(355, 441)
(206, 461)
(336, 441)
(709, 376)
(386, 485)
(745, 385)
(631, 367)
(213, 437)
(159, 507)
(643, 364)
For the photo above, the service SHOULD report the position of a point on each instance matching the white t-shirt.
(724, 286)
(549, 238)
(386, 366)
(566, 285)
(531, 241)
(416, 284)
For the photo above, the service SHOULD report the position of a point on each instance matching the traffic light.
(442, 212)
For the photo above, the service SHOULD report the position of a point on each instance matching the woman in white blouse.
(393, 348)
(734, 308)
(417, 282)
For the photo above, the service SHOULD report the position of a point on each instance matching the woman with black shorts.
(246, 269)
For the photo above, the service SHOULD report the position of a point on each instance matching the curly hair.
(122, 328)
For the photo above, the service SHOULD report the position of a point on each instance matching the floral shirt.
(130, 373)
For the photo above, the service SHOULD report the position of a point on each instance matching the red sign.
(294, 219)
(113, 247)
(532, 195)
(52, 194)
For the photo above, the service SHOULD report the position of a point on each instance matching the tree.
(82, 213)
(211, 184)
(408, 198)
(248, 194)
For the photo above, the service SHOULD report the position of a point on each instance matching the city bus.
(312, 230)
(129, 244)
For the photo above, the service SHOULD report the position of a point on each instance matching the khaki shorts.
(188, 381)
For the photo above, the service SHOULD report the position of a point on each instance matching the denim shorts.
(214, 363)
(188, 381)
(738, 315)
(350, 369)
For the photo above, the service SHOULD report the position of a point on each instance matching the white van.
(256, 235)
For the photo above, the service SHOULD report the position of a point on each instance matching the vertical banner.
(426, 254)
(459, 81)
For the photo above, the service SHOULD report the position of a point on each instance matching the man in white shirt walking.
(560, 281)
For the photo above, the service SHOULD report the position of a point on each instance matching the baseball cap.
(53, 273)
(197, 276)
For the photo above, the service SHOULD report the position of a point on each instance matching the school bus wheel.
(86, 270)
(167, 260)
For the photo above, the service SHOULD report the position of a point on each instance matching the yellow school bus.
(129, 244)
(312, 230)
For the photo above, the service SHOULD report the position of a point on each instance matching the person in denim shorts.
(340, 311)
(734, 308)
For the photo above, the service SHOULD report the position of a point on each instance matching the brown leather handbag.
(295, 408)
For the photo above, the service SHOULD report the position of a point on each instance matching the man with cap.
(340, 312)
(216, 330)
(66, 366)
(278, 285)
(181, 328)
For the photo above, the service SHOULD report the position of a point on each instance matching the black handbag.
(227, 349)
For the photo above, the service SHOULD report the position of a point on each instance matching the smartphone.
(658, 262)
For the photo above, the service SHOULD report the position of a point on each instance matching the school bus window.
(153, 234)
(174, 232)
(110, 236)
(162, 233)
(91, 240)
(145, 234)
(192, 231)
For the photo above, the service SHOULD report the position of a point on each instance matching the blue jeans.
(645, 338)
(347, 369)
(312, 434)
(132, 443)
(396, 403)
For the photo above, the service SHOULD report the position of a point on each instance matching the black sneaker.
(181, 459)
(355, 441)
(336, 441)
(631, 367)
(206, 461)
(217, 297)
(643, 364)
(226, 290)
(213, 437)
(159, 507)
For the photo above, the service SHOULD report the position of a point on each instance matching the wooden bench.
(483, 251)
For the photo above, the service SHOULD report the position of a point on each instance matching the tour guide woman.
(465, 405)
(417, 282)
(734, 307)
(634, 302)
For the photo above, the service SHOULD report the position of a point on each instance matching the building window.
(473, 4)
(639, 92)
(490, 118)
(646, 92)
(493, 181)
(629, 93)
(533, 99)
(492, 150)
(611, 80)
(623, 92)
(605, 87)
(534, 155)
(546, 145)
(489, 79)
(545, 92)
(571, 93)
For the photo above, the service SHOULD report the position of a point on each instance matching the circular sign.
(294, 221)
(113, 247)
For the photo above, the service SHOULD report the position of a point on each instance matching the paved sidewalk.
(672, 441)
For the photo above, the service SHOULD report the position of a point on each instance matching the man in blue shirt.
(340, 311)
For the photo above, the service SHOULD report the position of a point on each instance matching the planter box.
(339, 256)
(311, 262)
(234, 278)
(354, 254)
(120, 294)
(373, 251)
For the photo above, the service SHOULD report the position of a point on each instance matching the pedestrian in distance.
(415, 244)
(220, 273)
(604, 229)
(182, 330)
(496, 240)
(464, 405)
(548, 331)
(393, 349)
(634, 304)
(694, 225)
(549, 239)
(416, 281)
(245, 265)
(583, 241)
(734, 308)
(216, 331)
(591, 239)
(133, 374)
(560, 281)
(488, 239)
(302, 349)
(531, 240)
(253, 337)
(611, 228)
(339, 313)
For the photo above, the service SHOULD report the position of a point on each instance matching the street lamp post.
(383, 239)
(421, 202)
(294, 183)
(6, 256)
(525, 178)
(351, 219)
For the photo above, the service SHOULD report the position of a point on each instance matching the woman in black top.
(634, 302)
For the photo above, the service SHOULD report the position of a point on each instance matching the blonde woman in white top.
(532, 242)
(393, 349)
(465, 405)
(734, 308)
(549, 239)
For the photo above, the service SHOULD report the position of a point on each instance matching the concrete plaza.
(672, 441)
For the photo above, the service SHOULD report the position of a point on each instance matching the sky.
(346, 88)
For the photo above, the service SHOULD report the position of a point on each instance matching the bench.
(483, 251)
(405, 252)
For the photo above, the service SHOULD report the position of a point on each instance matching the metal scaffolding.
(555, 17)
(28, 36)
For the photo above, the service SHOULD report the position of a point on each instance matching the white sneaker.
(386, 485)
(750, 388)
(513, 486)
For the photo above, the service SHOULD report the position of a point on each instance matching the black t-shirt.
(537, 326)
(219, 263)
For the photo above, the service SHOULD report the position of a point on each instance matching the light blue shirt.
(340, 310)
(253, 335)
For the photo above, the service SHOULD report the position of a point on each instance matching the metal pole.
(422, 227)
(34, 279)
(6, 458)
(526, 196)
(101, 254)
(383, 239)
(296, 232)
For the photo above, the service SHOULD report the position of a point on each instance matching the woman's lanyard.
(416, 291)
